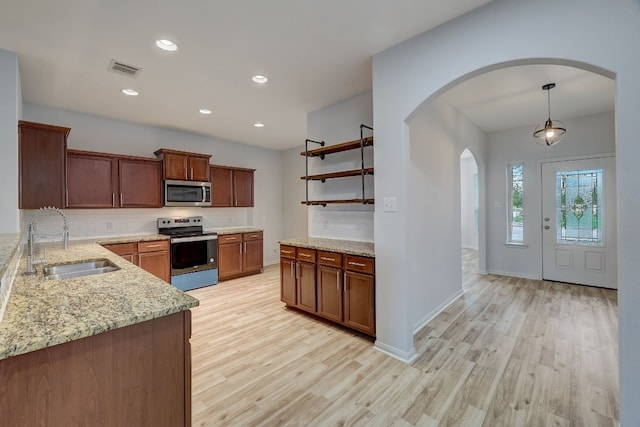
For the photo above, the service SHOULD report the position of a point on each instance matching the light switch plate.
(389, 204)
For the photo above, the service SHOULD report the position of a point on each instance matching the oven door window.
(186, 255)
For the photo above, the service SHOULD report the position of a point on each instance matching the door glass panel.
(579, 208)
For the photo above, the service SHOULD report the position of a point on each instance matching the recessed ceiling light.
(258, 125)
(260, 79)
(167, 45)
(205, 111)
(130, 92)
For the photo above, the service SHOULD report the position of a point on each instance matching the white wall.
(439, 134)
(112, 136)
(468, 171)
(335, 124)
(411, 73)
(10, 113)
(586, 135)
(294, 213)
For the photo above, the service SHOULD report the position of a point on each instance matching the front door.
(579, 222)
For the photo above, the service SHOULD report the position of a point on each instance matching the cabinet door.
(199, 168)
(329, 287)
(359, 303)
(221, 187)
(175, 166)
(92, 181)
(229, 259)
(243, 188)
(156, 263)
(42, 160)
(306, 286)
(288, 281)
(140, 183)
(252, 257)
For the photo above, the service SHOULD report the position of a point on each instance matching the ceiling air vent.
(122, 68)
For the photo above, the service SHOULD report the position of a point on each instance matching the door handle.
(546, 227)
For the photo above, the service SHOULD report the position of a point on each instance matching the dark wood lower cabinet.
(151, 256)
(239, 254)
(138, 375)
(335, 286)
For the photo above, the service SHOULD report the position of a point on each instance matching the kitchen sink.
(79, 269)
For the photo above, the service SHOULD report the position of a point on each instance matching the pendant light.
(552, 131)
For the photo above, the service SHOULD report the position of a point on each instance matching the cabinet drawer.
(252, 236)
(229, 238)
(122, 248)
(305, 254)
(287, 251)
(330, 258)
(359, 264)
(153, 246)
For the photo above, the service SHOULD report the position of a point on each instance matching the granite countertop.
(130, 239)
(8, 246)
(333, 245)
(236, 230)
(41, 313)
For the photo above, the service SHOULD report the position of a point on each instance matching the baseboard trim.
(513, 274)
(430, 316)
(403, 356)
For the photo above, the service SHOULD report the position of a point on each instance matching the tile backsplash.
(104, 223)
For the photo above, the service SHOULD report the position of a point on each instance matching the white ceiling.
(315, 53)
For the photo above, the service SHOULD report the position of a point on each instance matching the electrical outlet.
(389, 204)
(109, 226)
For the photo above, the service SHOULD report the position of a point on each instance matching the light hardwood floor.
(510, 352)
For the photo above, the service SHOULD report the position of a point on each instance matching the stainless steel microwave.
(187, 193)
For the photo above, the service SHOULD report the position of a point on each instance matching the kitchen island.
(107, 349)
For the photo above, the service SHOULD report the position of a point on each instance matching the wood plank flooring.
(510, 352)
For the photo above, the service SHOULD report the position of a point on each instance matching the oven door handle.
(193, 238)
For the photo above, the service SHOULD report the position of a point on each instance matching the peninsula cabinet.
(231, 186)
(336, 286)
(184, 166)
(102, 180)
(151, 256)
(42, 162)
(137, 375)
(239, 254)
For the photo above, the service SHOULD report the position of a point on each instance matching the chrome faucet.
(31, 262)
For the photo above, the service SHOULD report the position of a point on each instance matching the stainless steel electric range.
(194, 253)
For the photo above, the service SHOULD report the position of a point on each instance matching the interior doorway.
(469, 212)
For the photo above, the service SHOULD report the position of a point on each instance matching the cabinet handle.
(121, 200)
(286, 252)
(253, 236)
(191, 173)
(356, 264)
(113, 199)
(66, 197)
(297, 271)
(345, 281)
(338, 280)
(307, 255)
(231, 238)
(153, 246)
(327, 259)
(292, 269)
(245, 246)
(240, 249)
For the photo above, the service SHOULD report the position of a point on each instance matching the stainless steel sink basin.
(79, 269)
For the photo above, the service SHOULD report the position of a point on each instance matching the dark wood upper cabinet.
(42, 162)
(231, 186)
(92, 180)
(102, 180)
(221, 187)
(185, 166)
(140, 183)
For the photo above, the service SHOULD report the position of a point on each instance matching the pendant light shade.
(552, 131)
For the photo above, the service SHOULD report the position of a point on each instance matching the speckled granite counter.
(131, 239)
(42, 313)
(235, 230)
(333, 245)
(8, 246)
